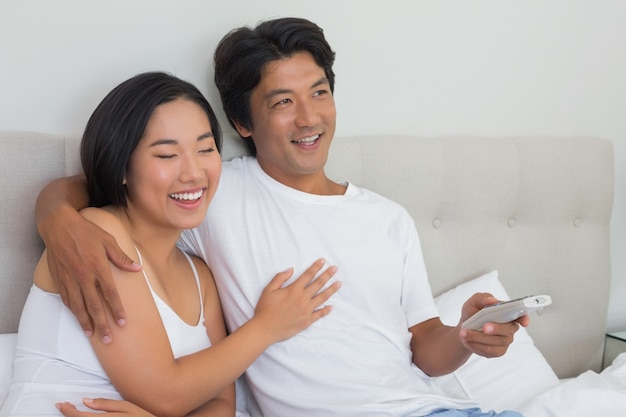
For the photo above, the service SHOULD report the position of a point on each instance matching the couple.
(371, 356)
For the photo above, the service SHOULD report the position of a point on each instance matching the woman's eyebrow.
(167, 141)
(164, 142)
(207, 135)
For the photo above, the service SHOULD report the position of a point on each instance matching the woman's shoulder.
(100, 215)
(108, 219)
(105, 217)
(204, 273)
(205, 276)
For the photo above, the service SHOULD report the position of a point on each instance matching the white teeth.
(310, 139)
(187, 196)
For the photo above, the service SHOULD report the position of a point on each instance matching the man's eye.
(207, 150)
(282, 102)
(320, 92)
(168, 156)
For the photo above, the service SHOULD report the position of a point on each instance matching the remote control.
(506, 311)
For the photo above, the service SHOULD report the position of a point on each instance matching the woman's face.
(175, 168)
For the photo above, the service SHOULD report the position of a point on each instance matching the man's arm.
(78, 255)
(439, 349)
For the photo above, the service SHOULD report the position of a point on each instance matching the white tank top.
(54, 361)
(184, 338)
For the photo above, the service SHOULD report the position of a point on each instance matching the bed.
(510, 215)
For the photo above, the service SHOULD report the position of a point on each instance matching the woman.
(150, 153)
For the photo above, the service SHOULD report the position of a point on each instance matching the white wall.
(430, 67)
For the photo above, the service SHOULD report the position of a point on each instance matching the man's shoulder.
(373, 195)
(238, 161)
(237, 170)
(380, 201)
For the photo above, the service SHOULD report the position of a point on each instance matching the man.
(373, 354)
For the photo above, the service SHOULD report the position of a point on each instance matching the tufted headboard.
(535, 209)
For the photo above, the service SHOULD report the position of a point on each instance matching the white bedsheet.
(589, 394)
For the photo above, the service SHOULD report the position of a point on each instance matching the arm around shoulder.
(78, 254)
(59, 197)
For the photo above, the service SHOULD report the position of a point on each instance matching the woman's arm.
(111, 407)
(122, 408)
(141, 365)
(140, 362)
(78, 254)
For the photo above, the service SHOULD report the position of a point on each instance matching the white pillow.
(7, 351)
(503, 383)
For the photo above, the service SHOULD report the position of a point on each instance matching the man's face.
(293, 119)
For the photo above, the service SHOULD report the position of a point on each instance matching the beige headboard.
(28, 161)
(535, 209)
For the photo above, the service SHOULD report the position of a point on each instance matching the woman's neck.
(154, 241)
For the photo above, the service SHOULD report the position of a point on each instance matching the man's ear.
(243, 131)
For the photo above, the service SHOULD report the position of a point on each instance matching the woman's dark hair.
(243, 53)
(117, 125)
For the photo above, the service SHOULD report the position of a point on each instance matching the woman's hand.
(287, 310)
(112, 407)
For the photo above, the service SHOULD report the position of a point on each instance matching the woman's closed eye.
(207, 150)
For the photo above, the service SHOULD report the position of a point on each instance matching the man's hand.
(78, 254)
(111, 407)
(494, 339)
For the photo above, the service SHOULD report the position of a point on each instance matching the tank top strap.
(195, 274)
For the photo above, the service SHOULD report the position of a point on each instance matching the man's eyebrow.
(319, 82)
(279, 91)
(167, 141)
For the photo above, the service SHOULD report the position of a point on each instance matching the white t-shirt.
(357, 360)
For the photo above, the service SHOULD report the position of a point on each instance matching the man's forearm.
(68, 192)
(437, 349)
(78, 255)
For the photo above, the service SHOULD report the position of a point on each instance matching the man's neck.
(317, 183)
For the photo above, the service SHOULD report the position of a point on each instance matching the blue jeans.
(473, 412)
